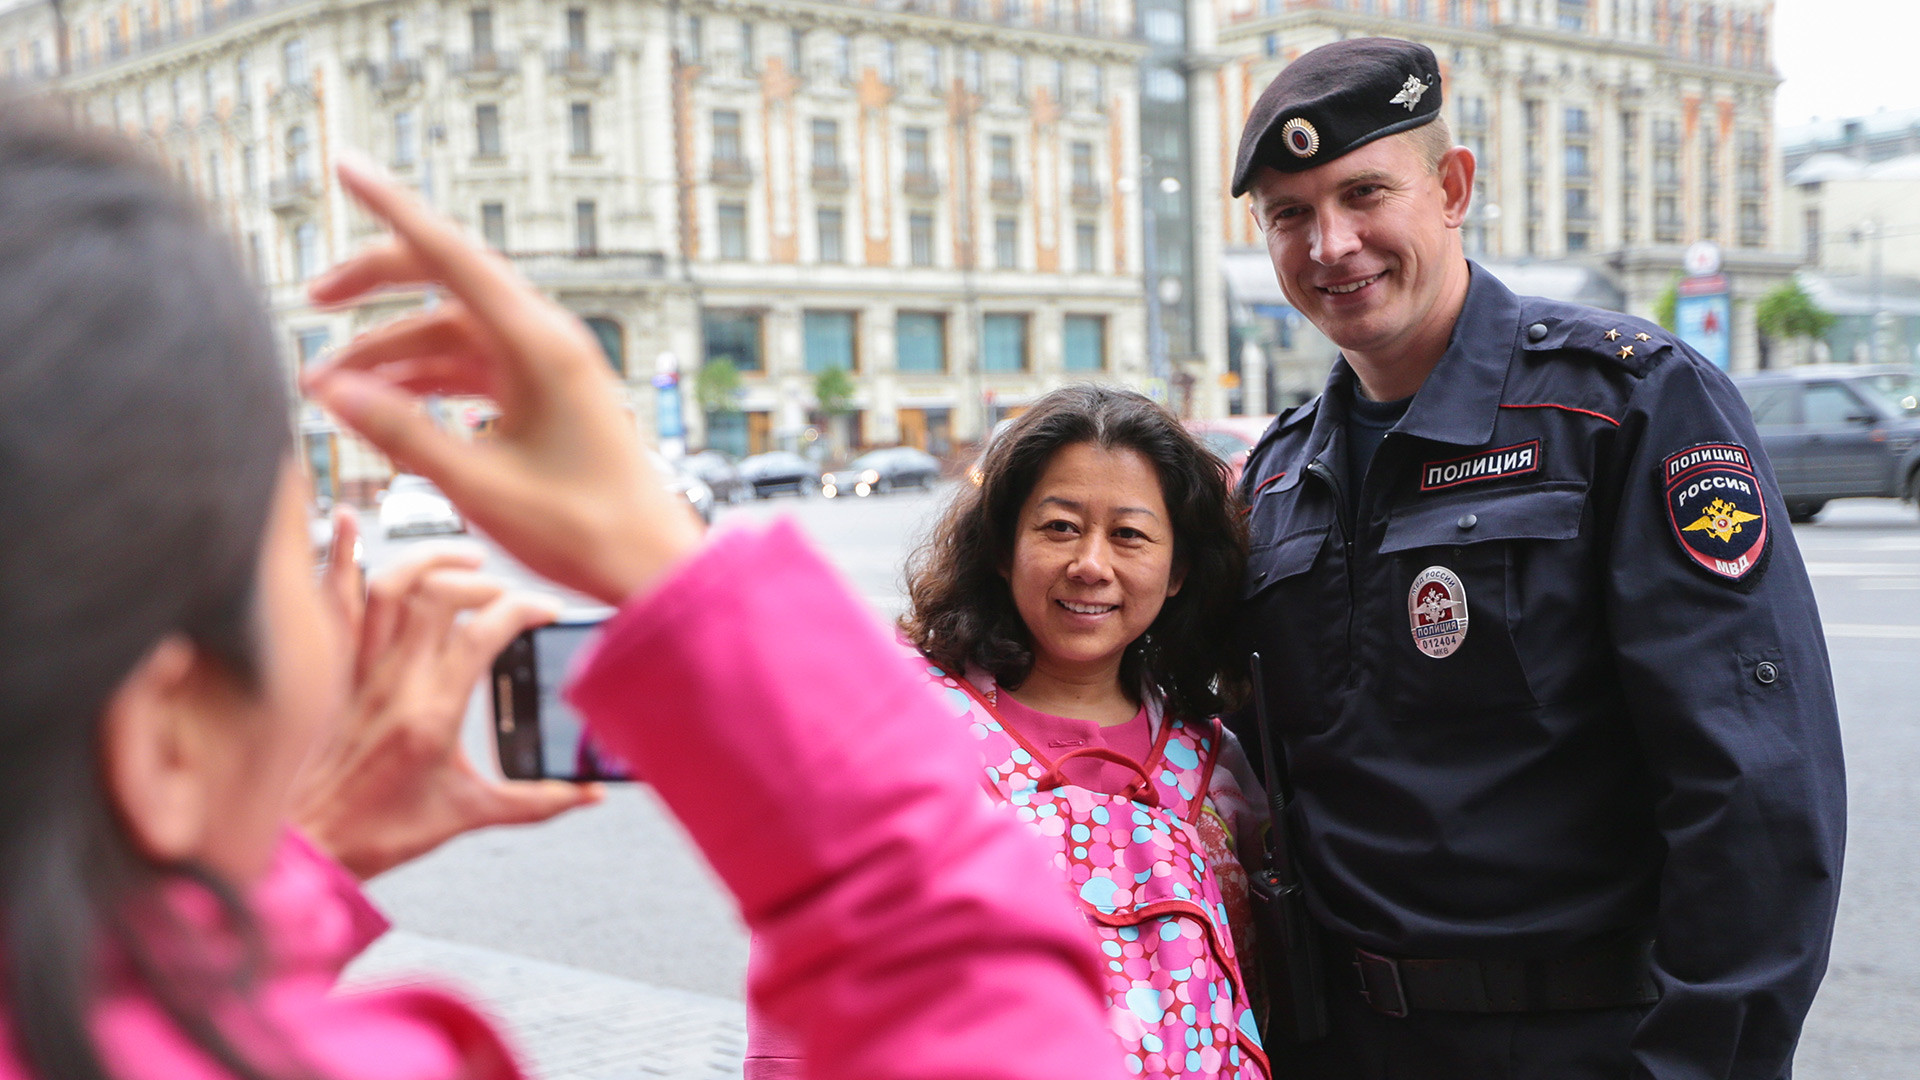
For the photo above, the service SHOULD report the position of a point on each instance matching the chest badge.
(1437, 610)
(1715, 506)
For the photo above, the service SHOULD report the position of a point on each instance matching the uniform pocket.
(1454, 565)
(1273, 563)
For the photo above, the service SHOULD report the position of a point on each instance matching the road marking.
(1893, 631)
(1862, 569)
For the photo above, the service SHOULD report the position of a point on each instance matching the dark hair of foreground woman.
(962, 612)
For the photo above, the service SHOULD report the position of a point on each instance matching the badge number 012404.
(1437, 611)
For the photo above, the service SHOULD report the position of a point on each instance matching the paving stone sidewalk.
(573, 1024)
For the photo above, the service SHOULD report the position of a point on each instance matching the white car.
(411, 505)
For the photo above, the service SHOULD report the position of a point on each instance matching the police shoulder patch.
(1716, 508)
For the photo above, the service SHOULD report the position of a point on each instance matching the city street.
(573, 929)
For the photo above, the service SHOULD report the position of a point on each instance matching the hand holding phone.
(538, 734)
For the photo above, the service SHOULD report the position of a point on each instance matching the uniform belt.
(1615, 975)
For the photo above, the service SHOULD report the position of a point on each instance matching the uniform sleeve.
(903, 927)
(1724, 667)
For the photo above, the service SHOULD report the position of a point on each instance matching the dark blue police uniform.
(1552, 687)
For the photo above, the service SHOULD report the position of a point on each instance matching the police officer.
(1540, 650)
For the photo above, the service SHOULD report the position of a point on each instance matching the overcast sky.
(1845, 57)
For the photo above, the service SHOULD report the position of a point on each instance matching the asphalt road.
(617, 890)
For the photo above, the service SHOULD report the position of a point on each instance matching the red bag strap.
(1141, 790)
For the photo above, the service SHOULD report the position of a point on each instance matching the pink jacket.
(899, 923)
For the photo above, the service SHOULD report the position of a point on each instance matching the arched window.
(299, 156)
(607, 332)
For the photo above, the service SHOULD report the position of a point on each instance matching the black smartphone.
(538, 734)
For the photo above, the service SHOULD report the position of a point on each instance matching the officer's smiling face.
(1367, 246)
(1092, 557)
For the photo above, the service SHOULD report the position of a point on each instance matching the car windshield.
(412, 484)
(1895, 390)
(873, 460)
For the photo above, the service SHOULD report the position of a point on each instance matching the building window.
(1573, 15)
(796, 50)
(920, 342)
(576, 30)
(920, 239)
(486, 131)
(933, 67)
(1006, 243)
(293, 57)
(493, 225)
(1003, 343)
(732, 221)
(918, 163)
(480, 22)
(396, 39)
(726, 136)
(696, 32)
(826, 145)
(403, 144)
(1084, 343)
(732, 336)
(1812, 235)
(612, 342)
(1579, 207)
(249, 170)
(831, 226)
(242, 88)
(829, 340)
(843, 58)
(1001, 150)
(213, 177)
(1086, 247)
(309, 344)
(586, 227)
(299, 157)
(306, 250)
(746, 45)
(581, 116)
(1083, 165)
(889, 62)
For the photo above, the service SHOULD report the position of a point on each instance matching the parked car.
(686, 485)
(1838, 432)
(719, 473)
(1231, 439)
(411, 505)
(778, 471)
(879, 471)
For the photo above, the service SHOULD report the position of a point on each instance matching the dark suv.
(1838, 432)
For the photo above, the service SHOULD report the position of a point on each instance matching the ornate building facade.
(930, 196)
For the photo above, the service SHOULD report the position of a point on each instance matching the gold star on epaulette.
(1613, 335)
(1643, 337)
(1626, 351)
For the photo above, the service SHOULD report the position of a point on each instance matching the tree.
(1665, 309)
(1787, 312)
(717, 387)
(833, 389)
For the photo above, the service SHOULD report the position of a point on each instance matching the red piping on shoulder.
(1567, 408)
(1268, 480)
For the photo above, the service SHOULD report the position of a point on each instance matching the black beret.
(1337, 98)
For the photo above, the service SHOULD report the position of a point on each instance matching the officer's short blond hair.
(1431, 141)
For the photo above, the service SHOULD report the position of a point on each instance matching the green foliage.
(833, 389)
(1665, 309)
(1787, 312)
(717, 386)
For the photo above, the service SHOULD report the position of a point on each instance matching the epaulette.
(1631, 343)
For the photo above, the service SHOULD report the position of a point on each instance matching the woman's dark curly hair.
(963, 613)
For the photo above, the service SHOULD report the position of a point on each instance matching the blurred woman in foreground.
(168, 665)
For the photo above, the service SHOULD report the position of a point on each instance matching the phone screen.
(540, 735)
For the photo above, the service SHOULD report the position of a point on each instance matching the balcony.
(920, 184)
(394, 76)
(581, 65)
(731, 172)
(1088, 195)
(288, 194)
(483, 67)
(829, 176)
(590, 267)
(1005, 189)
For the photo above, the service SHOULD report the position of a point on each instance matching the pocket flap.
(1544, 512)
(1283, 559)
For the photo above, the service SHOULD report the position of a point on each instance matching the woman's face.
(303, 678)
(1092, 556)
